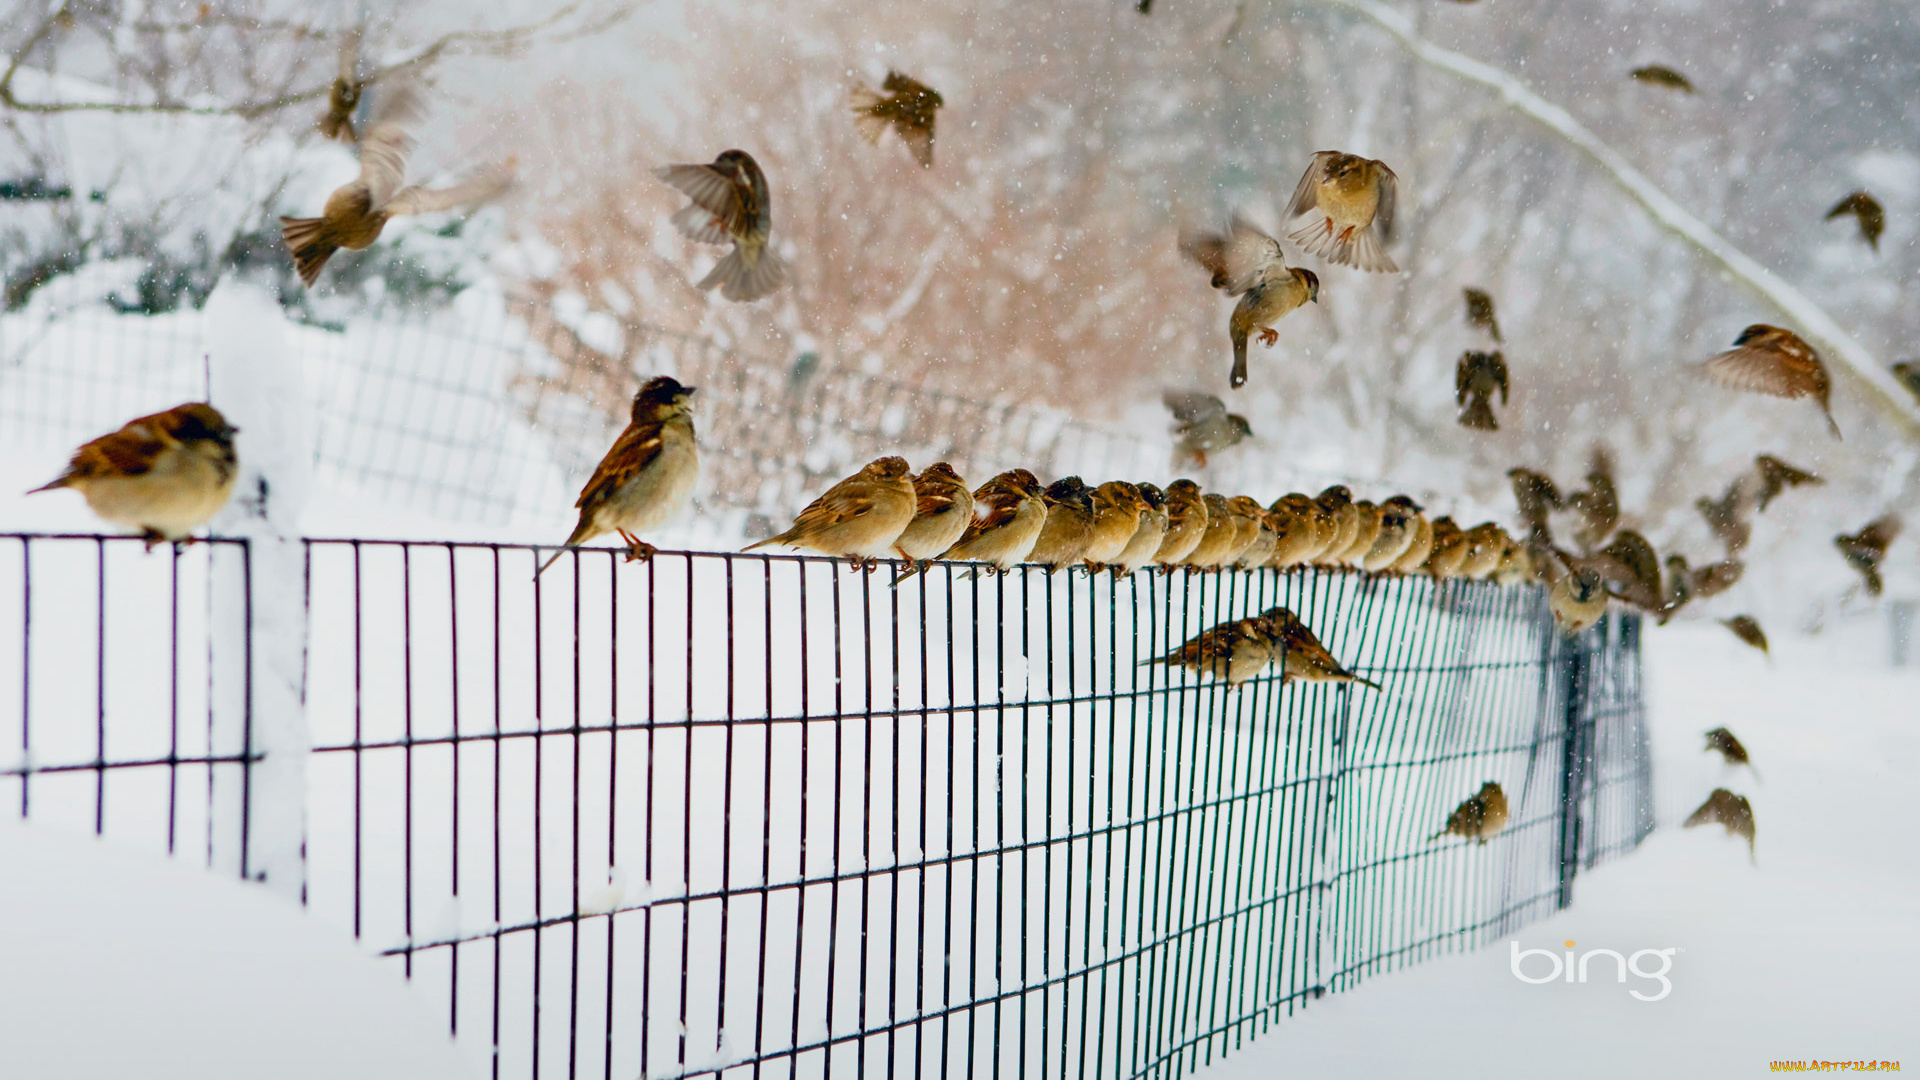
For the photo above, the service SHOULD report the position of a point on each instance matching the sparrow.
(1337, 501)
(648, 475)
(1679, 587)
(1715, 578)
(1666, 77)
(1303, 530)
(1479, 818)
(1235, 651)
(1747, 629)
(1249, 264)
(165, 474)
(1418, 551)
(1768, 360)
(1537, 498)
(1723, 807)
(1216, 545)
(1777, 476)
(941, 510)
(357, 211)
(1726, 518)
(1867, 211)
(1516, 566)
(344, 95)
(731, 204)
(1598, 504)
(1476, 376)
(1069, 526)
(860, 517)
(1259, 550)
(1351, 199)
(1399, 524)
(1008, 514)
(1485, 544)
(1578, 598)
(1729, 748)
(1117, 509)
(1305, 658)
(1449, 549)
(1364, 534)
(1480, 312)
(1145, 543)
(1204, 426)
(1632, 567)
(1908, 372)
(904, 104)
(1186, 524)
(1863, 550)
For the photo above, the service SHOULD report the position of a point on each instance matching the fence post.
(1576, 668)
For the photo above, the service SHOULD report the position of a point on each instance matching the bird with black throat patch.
(165, 474)
(647, 477)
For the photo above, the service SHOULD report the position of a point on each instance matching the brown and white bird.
(1537, 498)
(1303, 530)
(1117, 506)
(356, 212)
(1476, 376)
(1367, 516)
(1203, 426)
(860, 517)
(1008, 514)
(1068, 529)
(1480, 818)
(344, 95)
(1449, 550)
(1480, 311)
(648, 475)
(1865, 550)
(1249, 264)
(1726, 517)
(1679, 587)
(904, 104)
(1419, 551)
(1726, 809)
(1715, 578)
(1486, 542)
(1305, 659)
(731, 205)
(1578, 598)
(1777, 476)
(1186, 524)
(1235, 651)
(1768, 360)
(1399, 524)
(1747, 629)
(1351, 200)
(1216, 545)
(1597, 504)
(1662, 76)
(1145, 542)
(165, 474)
(1723, 742)
(1266, 539)
(1338, 503)
(1632, 568)
(942, 509)
(1867, 211)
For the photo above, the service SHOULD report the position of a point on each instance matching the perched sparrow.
(1399, 524)
(1248, 263)
(1908, 372)
(648, 475)
(1418, 551)
(344, 95)
(1117, 507)
(1008, 514)
(1516, 565)
(1145, 542)
(1069, 526)
(1723, 807)
(1306, 659)
(731, 204)
(1598, 504)
(1475, 378)
(1727, 517)
(942, 509)
(1867, 211)
(1216, 545)
(165, 474)
(1480, 312)
(1259, 550)
(1486, 542)
(906, 105)
(1777, 476)
(1186, 524)
(1632, 567)
(1656, 75)
(356, 212)
(1235, 651)
(1768, 360)
(1722, 741)
(1337, 501)
(1537, 498)
(1351, 199)
(1480, 817)
(1204, 426)
(1450, 549)
(1863, 550)
(1302, 527)
(860, 517)
(1747, 629)
(1578, 598)
(1715, 578)
(1368, 516)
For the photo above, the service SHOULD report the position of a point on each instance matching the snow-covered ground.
(1809, 955)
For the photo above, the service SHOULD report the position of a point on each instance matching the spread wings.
(1238, 259)
(723, 200)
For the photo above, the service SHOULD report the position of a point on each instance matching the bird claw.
(1269, 336)
(639, 550)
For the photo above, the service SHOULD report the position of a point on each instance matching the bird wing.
(388, 144)
(1765, 367)
(632, 452)
(935, 500)
(994, 506)
(1852, 204)
(420, 200)
(1238, 259)
(1193, 408)
(1305, 194)
(1879, 535)
(1389, 195)
(127, 452)
(1500, 375)
(1462, 377)
(919, 140)
(710, 190)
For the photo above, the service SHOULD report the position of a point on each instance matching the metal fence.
(746, 815)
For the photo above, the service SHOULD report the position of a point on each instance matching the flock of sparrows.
(1723, 807)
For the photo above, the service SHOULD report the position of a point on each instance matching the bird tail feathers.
(1478, 415)
(57, 482)
(741, 280)
(310, 252)
(1239, 377)
(869, 126)
(1361, 250)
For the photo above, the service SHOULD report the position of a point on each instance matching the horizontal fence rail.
(765, 815)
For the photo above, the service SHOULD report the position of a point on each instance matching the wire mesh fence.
(746, 815)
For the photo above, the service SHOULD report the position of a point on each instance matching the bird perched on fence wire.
(1476, 377)
(1249, 264)
(1578, 596)
(731, 205)
(1747, 629)
(1768, 360)
(648, 475)
(858, 518)
(1305, 658)
(1216, 545)
(1662, 76)
(942, 508)
(1367, 518)
(344, 95)
(1480, 818)
(1399, 525)
(1732, 811)
(1480, 312)
(1350, 200)
(1008, 513)
(1866, 549)
(165, 474)
(1186, 524)
(1485, 543)
(1068, 529)
(904, 104)
(1145, 541)
(357, 211)
(1337, 502)
(1449, 549)
(1304, 529)
(1866, 210)
(1726, 517)
(1777, 476)
(1203, 426)
(1235, 651)
(1419, 550)
(1730, 749)
(1117, 506)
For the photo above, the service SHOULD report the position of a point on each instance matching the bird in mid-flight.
(1867, 211)
(731, 205)
(1351, 201)
(903, 104)
(1476, 378)
(1248, 263)
(1768, 360)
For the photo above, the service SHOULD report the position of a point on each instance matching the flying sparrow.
(1727, 517)
(648, 475)
(1475, 378)
(1248, 263)
(1204, 426)
(1117, 506)
(1725, 808)
(1723, 742)
(1235, 651)
(1666, 77)
(1351, 199)
(942, 509)
(1186, 524)
(165, 474)
(356, 212)
(1715, 578)
(1008, 513)
(1777, 476)
(1337, 501)
(1598, 504)
(1069, 526)
(860, 517)
(344, 95)
(1632, 568)
(1865, 549)
(1145, 542)
(1768, 360)
(1537, 498)
(1306, 660)
(1480, 312)
(1216, 545)
(1747, 629)
(1480, 817)
(904, 104)
(1908, 372)
(1867, 211)
(1399, 524)
(1449, 549)
(731, 204)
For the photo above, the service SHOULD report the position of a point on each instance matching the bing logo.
(1566, 967)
